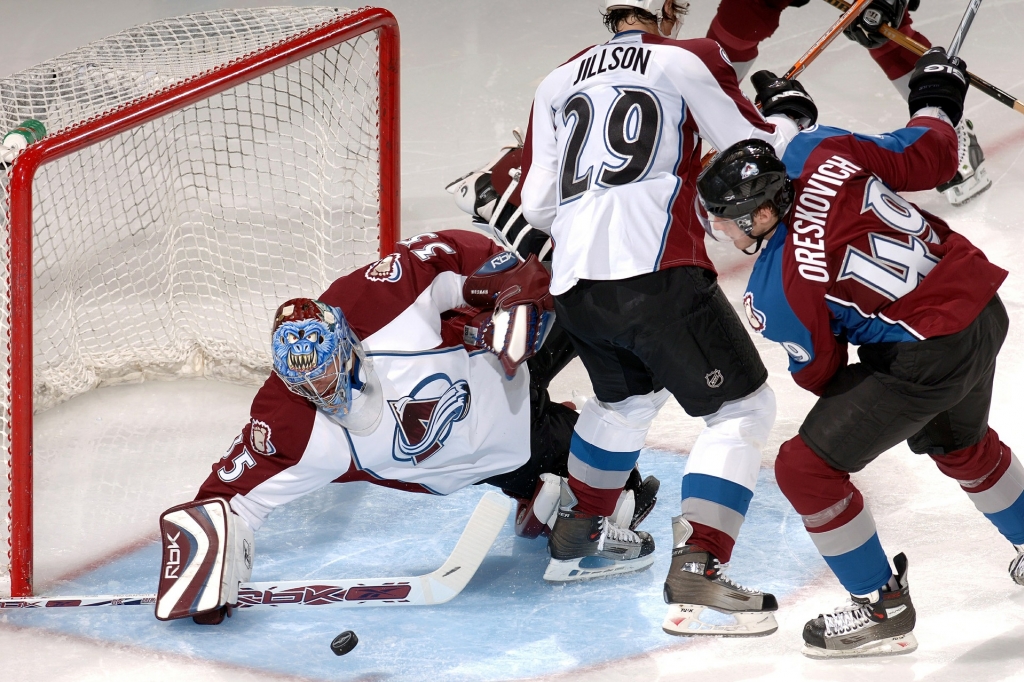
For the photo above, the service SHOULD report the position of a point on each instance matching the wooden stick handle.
(850, 14)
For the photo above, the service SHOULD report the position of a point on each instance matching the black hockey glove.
(939, 81)
(866, 28)
(781, 96)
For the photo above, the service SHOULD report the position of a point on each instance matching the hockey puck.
(344, 643)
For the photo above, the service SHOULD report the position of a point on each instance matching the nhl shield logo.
(387, 269)
(259, 438)
(714, 379)
(425, 417)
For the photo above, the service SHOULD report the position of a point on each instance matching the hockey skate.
(696, 586)
(879, 624)
(645, 496)
(1017, 565)
(586, 546)
(971, 178)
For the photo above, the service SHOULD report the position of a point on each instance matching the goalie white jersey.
(613, 152)
(438, 417)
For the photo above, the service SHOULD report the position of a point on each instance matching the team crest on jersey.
(387, 269)
(749, 170)
(755, 318)
(425, 417)
(259, 438)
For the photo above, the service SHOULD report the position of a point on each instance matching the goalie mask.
(316, 354)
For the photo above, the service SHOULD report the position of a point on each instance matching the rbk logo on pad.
(424, 419)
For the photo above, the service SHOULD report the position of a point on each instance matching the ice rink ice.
(469, 70)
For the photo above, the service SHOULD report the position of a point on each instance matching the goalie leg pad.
(207, 552)
(538, 516)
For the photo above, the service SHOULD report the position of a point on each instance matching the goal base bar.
(436, 587)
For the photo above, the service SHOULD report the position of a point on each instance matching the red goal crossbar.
(130, 116)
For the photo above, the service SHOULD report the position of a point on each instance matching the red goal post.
(133, 116)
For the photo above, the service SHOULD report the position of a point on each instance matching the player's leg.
(739, 26)
(705, 357)
(967, 450)
(898, 63)
(606, 441)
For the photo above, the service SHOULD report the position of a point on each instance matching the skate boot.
(1017, 566)
(696, 583)
(971, 178)
(585, 546)
(878, 624)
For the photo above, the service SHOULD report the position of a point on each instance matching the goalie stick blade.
(436, 587)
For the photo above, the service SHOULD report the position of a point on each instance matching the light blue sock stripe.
(863, 570)
(1010, 521)
(719, 490)
(606, 460)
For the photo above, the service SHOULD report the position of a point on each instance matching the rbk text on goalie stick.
(917, 48)
(436, 587)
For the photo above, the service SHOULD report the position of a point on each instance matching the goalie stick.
(436, 587)
(917, 48)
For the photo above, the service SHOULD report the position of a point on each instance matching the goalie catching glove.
(522, 309)
(207, 553)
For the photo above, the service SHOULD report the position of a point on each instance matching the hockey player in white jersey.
(405, 373)
(610, 163)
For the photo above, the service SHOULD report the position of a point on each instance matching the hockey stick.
(917, 48)
(961, 31)
(436, 587)
(842, 23)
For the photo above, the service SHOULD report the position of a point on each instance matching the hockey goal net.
(197, 172)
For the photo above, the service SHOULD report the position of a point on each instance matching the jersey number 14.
(631, 132)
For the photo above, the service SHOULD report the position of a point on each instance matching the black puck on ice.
(344, 643)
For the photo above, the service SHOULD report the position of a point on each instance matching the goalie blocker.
(207, 552)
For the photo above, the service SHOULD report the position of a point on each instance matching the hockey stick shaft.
(842, 23)
(917, 48)
(429, 589)
(961, 31)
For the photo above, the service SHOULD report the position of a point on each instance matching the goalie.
(405, 373)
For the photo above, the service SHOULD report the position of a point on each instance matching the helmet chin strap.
(760, 240)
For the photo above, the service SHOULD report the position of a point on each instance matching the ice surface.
(469, 71)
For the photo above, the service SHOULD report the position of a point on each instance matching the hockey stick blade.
(436, 587)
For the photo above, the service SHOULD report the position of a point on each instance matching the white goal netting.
(164, 250)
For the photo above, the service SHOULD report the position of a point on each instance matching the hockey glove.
(782, 96)
(939, 81)
(866, 29)
(514, 335)
(504, 281)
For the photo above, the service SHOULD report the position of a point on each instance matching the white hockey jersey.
(446, 417)
(613, 153)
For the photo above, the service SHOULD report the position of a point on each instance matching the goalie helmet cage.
(198, 171)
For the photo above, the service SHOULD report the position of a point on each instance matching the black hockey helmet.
(740, 179)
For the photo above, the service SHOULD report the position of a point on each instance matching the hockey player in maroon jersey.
(609, 167)
(740, 26)
(847, 260)
(405, 373)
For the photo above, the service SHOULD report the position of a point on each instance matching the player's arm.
(540, 164)
(723, 113)
(802, 323)
(925, 153)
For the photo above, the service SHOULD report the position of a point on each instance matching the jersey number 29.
(631, 131)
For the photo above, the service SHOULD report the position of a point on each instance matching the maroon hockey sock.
(823, 496)
(978, 467)
(600, 501)
(712, 540)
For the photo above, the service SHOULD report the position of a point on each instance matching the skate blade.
(684, 620)
(590, 567)
(891, 646)
(969, 188)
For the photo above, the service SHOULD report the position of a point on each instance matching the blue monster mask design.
(315, 353)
